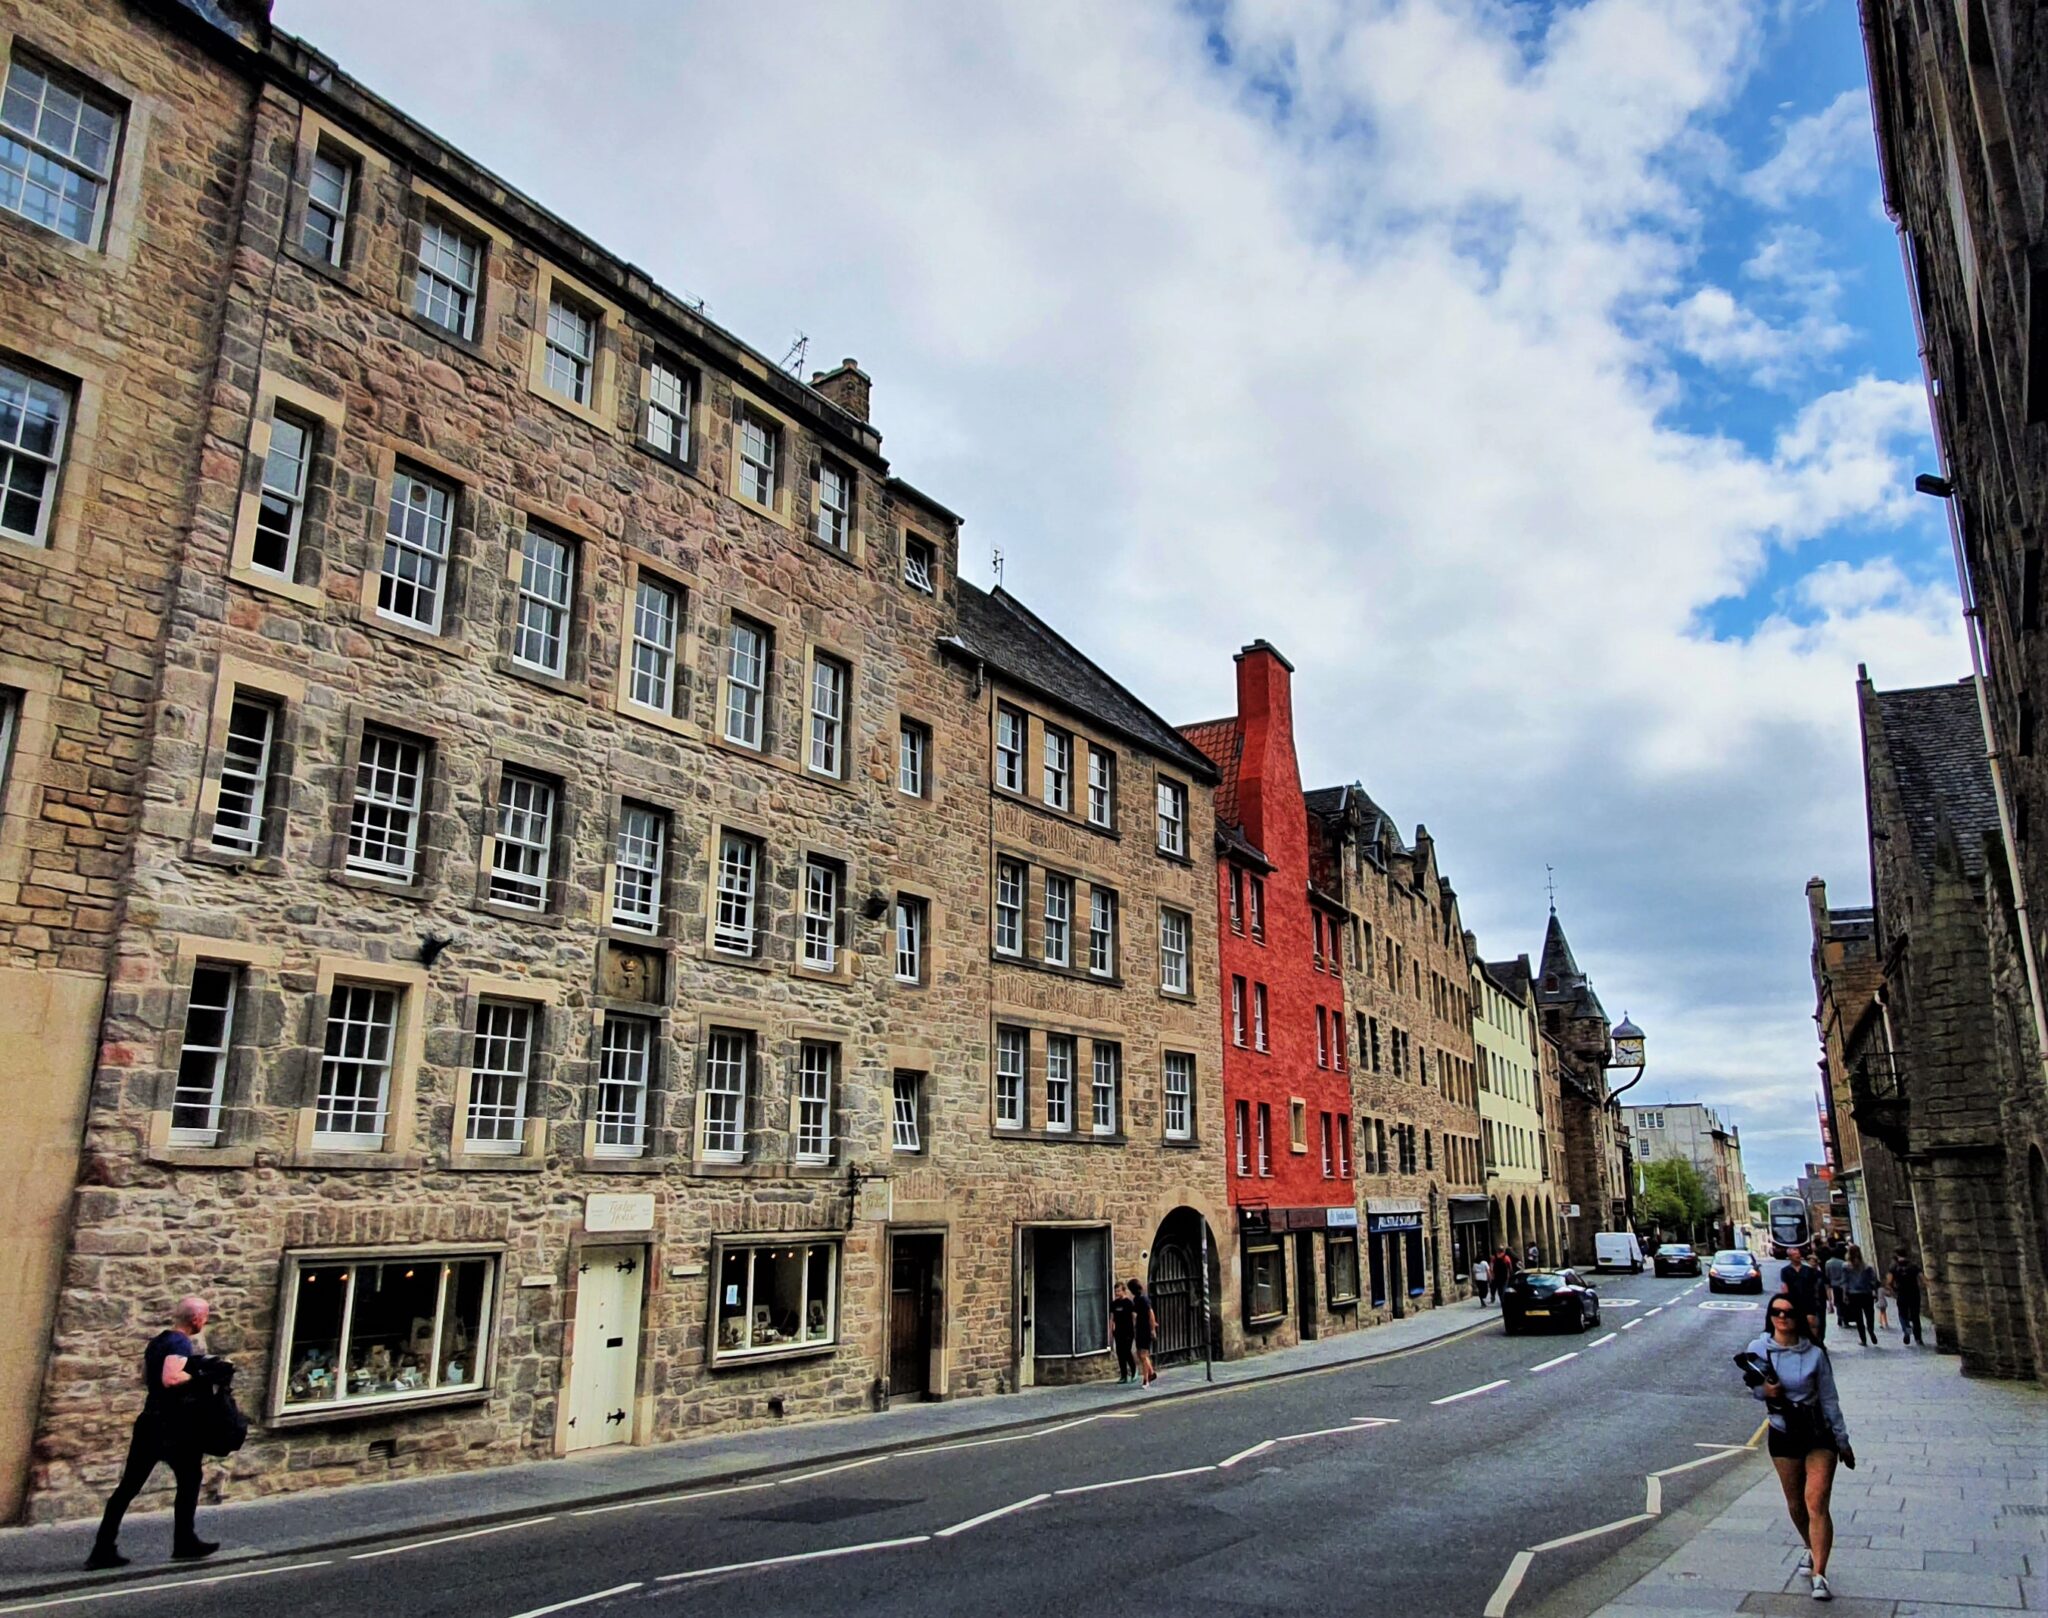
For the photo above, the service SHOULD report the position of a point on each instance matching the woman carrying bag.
(1859, 1287)
(1792, 1375)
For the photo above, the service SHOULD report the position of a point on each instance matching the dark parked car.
(1538, 1298)
(1735, 1271)
(1675, 1258)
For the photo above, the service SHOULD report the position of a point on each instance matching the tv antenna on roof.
(793, 361)
(995, 558)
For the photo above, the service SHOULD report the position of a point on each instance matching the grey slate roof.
(1002, 632)
(1381, 829)
(1936, 738)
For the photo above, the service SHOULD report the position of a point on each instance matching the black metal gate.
(1177, 1300)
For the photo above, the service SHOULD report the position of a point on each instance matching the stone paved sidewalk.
(39, 1560)
(1946, 1514)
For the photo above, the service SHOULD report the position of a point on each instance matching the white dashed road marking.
(1547, 1364)
(152, 1589)
(449, 1539)
(579, 1601)
(991, 1516)
(1596, 1342)
(1125, 1483)
(1470, 1393)
(800, 1556)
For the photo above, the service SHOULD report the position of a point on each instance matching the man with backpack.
(1905, 1279)
(185, 1410)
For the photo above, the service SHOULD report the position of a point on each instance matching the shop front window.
(1265, 1283)
(1343, 1263)
(1070, 1307)
(774, 1298)
(383, 1330)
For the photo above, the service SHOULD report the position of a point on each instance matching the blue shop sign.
(1376, 1224)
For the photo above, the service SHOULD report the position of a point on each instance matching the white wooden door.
(606, 1349)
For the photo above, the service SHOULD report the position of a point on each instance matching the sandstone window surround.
(527, 842)
(1265, 1281)
(1071, 1282)
(203, 1112)
(388, 806)
(1012, 883)
(1176, 931)
(1056, 938)
(329, 205)
(26, 693)
(1059, 769)
(906, 1115)
(1012, 1067)
(332, 172)
(1011, 728)
(1177, 1091)
(1340, 1261)
(572, 354)
(409, 588)
(762, 453)
(448, 275)
(735, 898)
(203, 1053)
(1297, 1126)
(917, 918)
(639, 873)
(776, 1297)
(670, 393)
(60, 138)
(368, 1328)
(245, 786)
(280, 543)
(815, 1099)
(1059, 1084)
(659, 652)
(35, 411)
(833, 507)
(1172, 818)
(824, 914)
(544, 581)
(509, 1029)
(368, 1023)
(725, 1094)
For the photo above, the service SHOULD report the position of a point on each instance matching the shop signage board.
(1341, 1218)
(1376, 1223)
(605, 1212)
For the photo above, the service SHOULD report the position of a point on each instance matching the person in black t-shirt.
(1147, 1324)
(163, 1433)
(1807, 1285)
(1123, 1332)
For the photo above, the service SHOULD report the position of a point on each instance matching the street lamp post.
(1436, 1254)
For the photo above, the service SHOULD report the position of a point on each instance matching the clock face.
(1628, 1053)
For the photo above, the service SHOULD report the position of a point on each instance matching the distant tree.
(1674, 1197)
(1759, 1207)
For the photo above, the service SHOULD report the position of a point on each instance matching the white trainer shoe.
(1821, 1592)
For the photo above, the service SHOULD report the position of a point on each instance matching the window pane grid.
(835, 507)
(1101, 771)
(1108, 1072)
(244, 777)
(571, 344)
(281, 505)
(821, 915)
(746, 673)
(655, 615)
(500, 1061)
(547, 573)
(668, 410)
(723, 1105)
(415, 551)
(815, 1064)
(1059, 1083)
(355, 1068)
(910, 931)
(1059, 915)
(1173, 817)
(1173, 951)
(1180, 1089)
(913, 762)
(384, 818)
(32, 422)
(625, 1063)
(1009, 907)
(918, 565)
(1010, 1060)
(757, 459)
(56, 152)
(737, 869)
(1009, 750)
(904, 1132)
(1101, 933)
(203, 1057)
(828, 716)
(526, 828)
(327, 189)
(444, 280)
(636, 868)
(1059, 769)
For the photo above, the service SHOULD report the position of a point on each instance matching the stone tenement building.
(1516, 1108)
(1847, 978)
(115, 243)
(1939, 1060)
(1596, 1168)
(1692, 1132)
(1286, 1091)
(560, 990)
(1960, 96)
(1414, 1073)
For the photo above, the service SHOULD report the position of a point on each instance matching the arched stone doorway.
(1174, 1279)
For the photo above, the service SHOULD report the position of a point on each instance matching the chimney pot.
(848, 387)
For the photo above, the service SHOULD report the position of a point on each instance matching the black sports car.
(1675, 1258)
(1538, 1298)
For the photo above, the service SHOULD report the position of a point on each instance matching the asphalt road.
(1403, 1486)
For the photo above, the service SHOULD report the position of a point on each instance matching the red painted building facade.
(1286, 1080)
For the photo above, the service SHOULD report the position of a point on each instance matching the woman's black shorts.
(1783, 1447)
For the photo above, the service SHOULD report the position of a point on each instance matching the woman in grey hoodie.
(1808, 1435)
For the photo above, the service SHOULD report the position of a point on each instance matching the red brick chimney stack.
(847, 387)
(1265, 709)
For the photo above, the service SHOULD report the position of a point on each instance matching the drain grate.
(826, 1508)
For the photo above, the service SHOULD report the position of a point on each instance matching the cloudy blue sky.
(1538, 376)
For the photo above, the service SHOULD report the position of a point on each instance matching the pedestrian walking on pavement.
(1482, 1276)
(1146, 1324)
(1905, 1280)
(1807, 1287)
(1808, 1436)
(1529, 1258)
(1836, 1269)
(1123, 1332)
(1859, 1292)
(165, 1431)
(1884, 1303)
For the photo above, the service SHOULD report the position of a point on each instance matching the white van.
(1618, 1250)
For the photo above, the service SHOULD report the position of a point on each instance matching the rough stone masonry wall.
(126, 325)
(155, 1221)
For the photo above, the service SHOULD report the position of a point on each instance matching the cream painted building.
(1515, 1132)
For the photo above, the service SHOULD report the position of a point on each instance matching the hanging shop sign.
(605, 1212)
